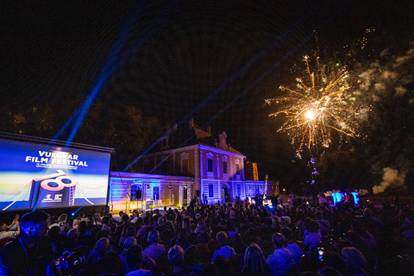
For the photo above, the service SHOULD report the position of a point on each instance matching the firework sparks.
(320, 104)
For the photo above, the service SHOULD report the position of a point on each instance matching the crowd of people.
(236, 238)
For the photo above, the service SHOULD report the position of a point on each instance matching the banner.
(36, 175)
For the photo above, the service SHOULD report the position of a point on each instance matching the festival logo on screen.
(54, 190)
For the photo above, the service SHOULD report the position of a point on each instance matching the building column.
(217, 167)
(197, 162)
(218, 184)
(189, 193)
(198, 178)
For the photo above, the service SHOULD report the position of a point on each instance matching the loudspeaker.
(136, 192)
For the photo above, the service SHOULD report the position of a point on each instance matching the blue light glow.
(113, 62)
(337, 197)
(355, 195)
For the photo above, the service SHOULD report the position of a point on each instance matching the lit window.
(210, 165)
(155, 193)
(210, 190)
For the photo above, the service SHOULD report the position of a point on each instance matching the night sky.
(178, 53)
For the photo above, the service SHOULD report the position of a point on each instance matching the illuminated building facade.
(212, 171)
(131, 191)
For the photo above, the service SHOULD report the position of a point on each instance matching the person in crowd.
(9, 232)
(31, 252)
(126, 244)
(102, 247)
(355, 261)
(220, 239)
(293, 247)
(135, 262)
(281, 260)
(254, 262)
(225, 251)
(176, 259)
(155, 250)
(312, 235)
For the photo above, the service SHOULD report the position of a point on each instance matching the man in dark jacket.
(30, 253)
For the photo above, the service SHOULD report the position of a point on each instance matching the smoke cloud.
(390, 178)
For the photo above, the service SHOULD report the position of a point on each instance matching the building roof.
(194, 146)
(192, 134)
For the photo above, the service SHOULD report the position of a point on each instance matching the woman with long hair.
(254, 262)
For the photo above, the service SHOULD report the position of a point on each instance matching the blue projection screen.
(34, 175)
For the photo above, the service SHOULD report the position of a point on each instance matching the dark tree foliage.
(125, 128)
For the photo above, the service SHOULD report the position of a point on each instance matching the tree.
(123, 127)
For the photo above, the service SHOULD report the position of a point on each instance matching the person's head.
(161, 221)
(287, 233)
(125, 217)
(176, 255)
(72, 234)
(353, 258)
(54, 232)
(222, 238)
(76, 222)
(311, 225)
(63, 218)
(153, 236)
(130, 230)
(103, 244)
(128, 242)
(34, 224)
(254, 261)
(278, 240)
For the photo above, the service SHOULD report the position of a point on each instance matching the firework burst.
(320, 104)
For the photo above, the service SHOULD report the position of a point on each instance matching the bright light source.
(310, 115)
